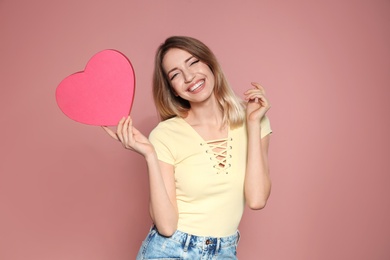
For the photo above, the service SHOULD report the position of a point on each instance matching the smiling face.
(189, 77)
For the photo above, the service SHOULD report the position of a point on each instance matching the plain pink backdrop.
(67, 191)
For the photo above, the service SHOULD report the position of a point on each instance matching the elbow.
(166, 226)
(257, 205)
(166, 230)
(257, 202)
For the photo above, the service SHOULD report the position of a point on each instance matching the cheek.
(208, 71)
(211, 76)
(174, 88)
(177, 83)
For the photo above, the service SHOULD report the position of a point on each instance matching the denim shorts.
(185, 246)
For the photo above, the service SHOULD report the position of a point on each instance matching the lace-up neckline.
(217, 149)
(219, 153)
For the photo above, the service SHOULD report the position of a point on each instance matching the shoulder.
(170, 139)
(265, 125)
(167, 127)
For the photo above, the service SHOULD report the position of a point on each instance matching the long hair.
(169, 105)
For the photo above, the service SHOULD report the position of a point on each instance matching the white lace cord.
(219, 150)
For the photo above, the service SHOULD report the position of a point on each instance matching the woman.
(206, 159)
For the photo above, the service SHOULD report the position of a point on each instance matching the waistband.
(189, 240)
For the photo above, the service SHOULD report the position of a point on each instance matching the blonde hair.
(169, 105)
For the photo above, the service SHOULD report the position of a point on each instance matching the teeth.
(197, 85)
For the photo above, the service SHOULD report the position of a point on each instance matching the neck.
(205, 113)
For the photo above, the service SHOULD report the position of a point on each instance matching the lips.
(195, 86)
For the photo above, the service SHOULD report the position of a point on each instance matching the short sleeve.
(160, 142)
(265, 126)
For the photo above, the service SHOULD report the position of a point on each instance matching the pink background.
(67, 191)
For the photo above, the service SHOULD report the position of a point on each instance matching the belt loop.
(238, 237)
(188, 239)
(218, 246)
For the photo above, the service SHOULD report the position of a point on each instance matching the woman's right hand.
(130, 137)
(163, 206)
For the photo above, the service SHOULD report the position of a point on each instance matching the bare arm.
(163, 207)
(257, 184)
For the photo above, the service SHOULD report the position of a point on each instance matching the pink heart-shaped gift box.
(101, 94)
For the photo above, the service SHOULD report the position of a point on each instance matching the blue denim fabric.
(184, 246)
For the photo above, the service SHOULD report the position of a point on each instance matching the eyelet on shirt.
(221, 156)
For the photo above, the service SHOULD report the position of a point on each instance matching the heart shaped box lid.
(101, 94)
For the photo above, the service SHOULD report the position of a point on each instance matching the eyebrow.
(176, 67)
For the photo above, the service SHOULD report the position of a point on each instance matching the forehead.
(174, 57)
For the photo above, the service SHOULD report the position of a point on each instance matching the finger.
(119, 128)
(254, 90)
(125, 131)
(253, 96)
(110, 132)
(258, 86)
(264, 102)
(130, 132)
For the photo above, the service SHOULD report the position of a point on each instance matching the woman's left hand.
(258, 104)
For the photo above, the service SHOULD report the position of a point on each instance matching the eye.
(173, 76)
(193, 62)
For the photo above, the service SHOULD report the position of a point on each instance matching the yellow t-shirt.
(210, 198)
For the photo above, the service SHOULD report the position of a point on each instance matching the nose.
(188, 76)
